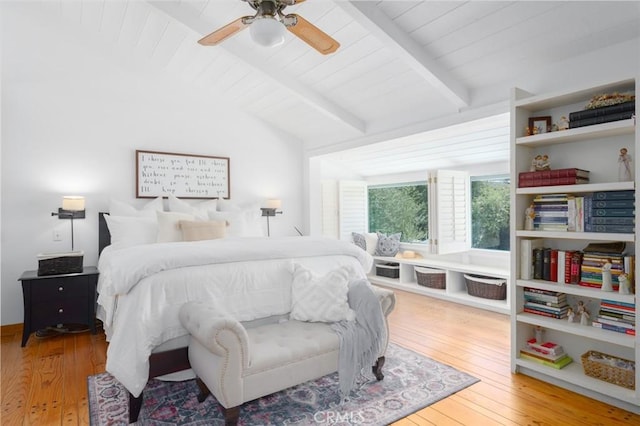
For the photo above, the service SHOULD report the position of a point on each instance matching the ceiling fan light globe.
(267, 32)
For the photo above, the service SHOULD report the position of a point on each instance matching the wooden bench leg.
(204, 390)
(231, 415)
(377, 368)
(135, 404)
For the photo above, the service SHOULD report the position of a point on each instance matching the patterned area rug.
(411, 383)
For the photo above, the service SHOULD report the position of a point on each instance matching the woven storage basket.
(609, 368)
(389, 270)
(486, 287)
(432, 278)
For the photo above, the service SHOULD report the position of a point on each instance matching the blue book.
(613, 221)
(614, 204)
(617, 229)
(613, 212)
(615, 195)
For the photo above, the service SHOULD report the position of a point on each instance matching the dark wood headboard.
(104, 236)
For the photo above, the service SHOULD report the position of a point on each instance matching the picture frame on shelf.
(540, 124)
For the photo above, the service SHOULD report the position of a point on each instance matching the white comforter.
(141, 289)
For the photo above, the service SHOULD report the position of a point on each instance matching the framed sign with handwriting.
(183, 175)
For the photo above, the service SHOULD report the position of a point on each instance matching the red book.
(567, 266)
(553, 271)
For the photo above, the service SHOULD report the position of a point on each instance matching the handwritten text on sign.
(186, 176)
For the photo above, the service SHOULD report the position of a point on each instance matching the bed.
(142, 287)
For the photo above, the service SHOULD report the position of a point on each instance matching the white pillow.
(127, 231)
(169, 226)
(372, 242)
(242, 223)
(119, 208)
(320, 299)
(227, 206)
(199, 210)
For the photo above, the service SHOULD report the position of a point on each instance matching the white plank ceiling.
(400, 62)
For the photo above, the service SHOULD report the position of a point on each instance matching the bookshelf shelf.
(577, 189)
(605, 130)
(586, 236)
(585, 331)
(576, 290)
(594, 148)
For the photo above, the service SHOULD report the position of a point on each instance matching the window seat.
(455, 266)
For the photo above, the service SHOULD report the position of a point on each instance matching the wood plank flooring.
(44, 383)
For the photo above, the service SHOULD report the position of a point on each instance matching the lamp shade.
(274, 204)
(73, 203)
(267, 31)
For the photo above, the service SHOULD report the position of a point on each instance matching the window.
(400, 208)
(490, 212)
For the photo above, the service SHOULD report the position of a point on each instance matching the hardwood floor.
(44, 383)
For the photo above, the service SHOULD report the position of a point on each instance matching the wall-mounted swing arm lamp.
(271, 210)
(72, 208)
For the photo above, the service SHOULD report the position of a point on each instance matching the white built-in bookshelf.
(594, 148)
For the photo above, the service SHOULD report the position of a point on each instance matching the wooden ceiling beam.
(381, 26)
(273, 75)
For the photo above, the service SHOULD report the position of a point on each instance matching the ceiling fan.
(268, 24)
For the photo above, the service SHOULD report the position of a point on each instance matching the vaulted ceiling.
(399, 63)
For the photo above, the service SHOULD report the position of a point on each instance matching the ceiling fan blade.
(224, 33)
(312, 35)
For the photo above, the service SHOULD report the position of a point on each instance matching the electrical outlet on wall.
(57, 236)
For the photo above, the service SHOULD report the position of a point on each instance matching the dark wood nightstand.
(51, 300)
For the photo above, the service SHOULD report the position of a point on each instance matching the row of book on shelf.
(582, 267)
(603, 211)
(611, 315)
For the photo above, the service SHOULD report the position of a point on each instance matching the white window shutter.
(453, 198)
(353, 211)
(330, 220)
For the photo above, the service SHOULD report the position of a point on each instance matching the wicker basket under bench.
(432, 278)
(486, 287)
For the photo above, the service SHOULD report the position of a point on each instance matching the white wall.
(72, 118)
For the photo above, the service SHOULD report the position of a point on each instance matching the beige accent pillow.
(203, 230)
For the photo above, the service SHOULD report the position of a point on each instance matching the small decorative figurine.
(570, 315)
(564, 123)
(529, 215)
(534, 163)
(584, 314)
(527, 131)
(538, 331)
(624, 286)
(541, 162)
(624, 166)
(607, 284)
(554, 127)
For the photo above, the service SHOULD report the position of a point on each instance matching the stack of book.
(610, 211)
(552, 304)
(605, 114)
(616, 316)
(551, 212)
(570, 176)
(596, 255)
(546, 353)
(543, 263)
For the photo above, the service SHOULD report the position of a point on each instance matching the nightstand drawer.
(66, 311)
(58, 289)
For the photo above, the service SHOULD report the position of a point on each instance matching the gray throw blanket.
(361, 340)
